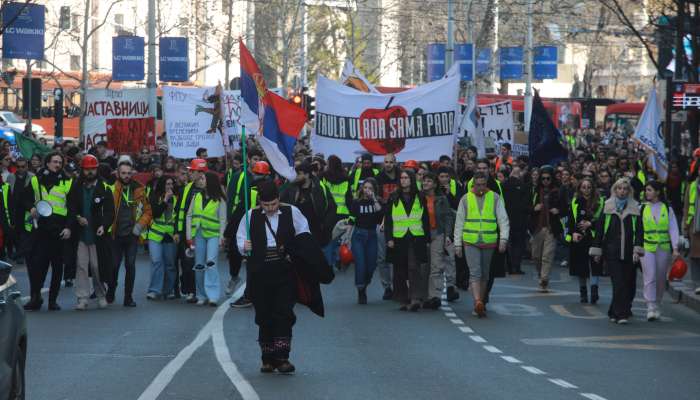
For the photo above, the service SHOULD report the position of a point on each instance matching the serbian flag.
(280, 121)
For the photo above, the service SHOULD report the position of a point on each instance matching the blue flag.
(545, 141)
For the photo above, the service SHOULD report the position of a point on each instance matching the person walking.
(132, 216)
(407, 231)
(586, 208)
(387, 183)
(52, 232)
(618, 241)
(544, 224)
(661, 238)
(691, 227)
(206, 221)
(515, 189)
(273, 226)
(367, 214)
(335, 178)
(162, 247)
(481, 226)
(441, 217)
(94, 205)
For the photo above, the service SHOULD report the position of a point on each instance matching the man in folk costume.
(274, 227)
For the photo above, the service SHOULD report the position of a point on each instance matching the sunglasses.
(546, 178)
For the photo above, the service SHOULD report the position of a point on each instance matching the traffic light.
(64, 19)
(308, 103)
(35, 97)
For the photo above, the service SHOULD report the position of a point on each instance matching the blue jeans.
(206, 274)
(330, 251)
(162, 267)
(364, 252)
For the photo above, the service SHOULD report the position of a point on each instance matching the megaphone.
(189, 252)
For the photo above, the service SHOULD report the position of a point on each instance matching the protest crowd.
(451, 224)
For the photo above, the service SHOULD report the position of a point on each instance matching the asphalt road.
(531, 346)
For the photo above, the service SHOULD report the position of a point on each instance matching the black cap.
(366, 157)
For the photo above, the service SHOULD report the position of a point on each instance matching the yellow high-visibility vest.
(404, 223)
(480, 226)
(205, 217)
(656, 233)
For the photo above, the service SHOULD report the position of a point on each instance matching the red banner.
(131, 135)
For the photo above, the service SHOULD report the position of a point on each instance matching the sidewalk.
(684, 292)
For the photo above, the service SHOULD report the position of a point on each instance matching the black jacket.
(419, 244)
(311, 270)
(323, 207)
(516, 195)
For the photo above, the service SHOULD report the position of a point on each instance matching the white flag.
(354, 78)
(471, 127)
(649, 133)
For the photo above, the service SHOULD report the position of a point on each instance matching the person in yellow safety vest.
(585, 209)
(335, 178)
(492, 184)
(407, 234)
(366, 170)
(185, 195)
(234, 197)
(387, 182)
(691, 229)
(53, 231)
(132, 216)
(21, 220)
(94, 204)
(661, 242)
(481, 227)
(449, 187)
(162, 247)
(206, 222)
(261, 172)
(619, 240)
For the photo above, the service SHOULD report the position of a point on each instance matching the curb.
(682, 294)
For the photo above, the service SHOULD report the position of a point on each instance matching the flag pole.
(245, 183)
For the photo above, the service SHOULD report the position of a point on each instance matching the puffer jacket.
(625, 234)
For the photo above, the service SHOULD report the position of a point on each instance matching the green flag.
(29, 146)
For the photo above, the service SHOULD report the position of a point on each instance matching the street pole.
(450, 35)
(28, 100)
(84, 75)
(494, 61)
(229, 42)
(303, 68)
(528, 69)
(473, 89)
(151, 82)
(249, 25)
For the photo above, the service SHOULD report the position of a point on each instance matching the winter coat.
(516, 195)
(310, 269)
(401, 245)
(139, 197)
(323, 221)
(624, 236)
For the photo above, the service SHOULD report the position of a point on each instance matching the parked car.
(16, 123)
(13, 337)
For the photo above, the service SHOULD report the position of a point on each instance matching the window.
(184, 26)
(75, 63)
(75, 23)
(119, 19)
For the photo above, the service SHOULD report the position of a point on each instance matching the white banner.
(649, 133)
(191, 118)
(497, 123)
(418, 124)
(119, 117)
(235, 113)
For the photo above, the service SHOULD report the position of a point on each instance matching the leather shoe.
(53, 306)
(452, 294)
(432, 304)
(388, 294)
(129, 302)
(285, 367)
(267, 368)
(34, 305)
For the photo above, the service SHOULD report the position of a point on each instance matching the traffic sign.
(545, 62)
(463, 57)
(511, 60)
(174, 64)
(436, 61)
(128, 58)
(23, 37)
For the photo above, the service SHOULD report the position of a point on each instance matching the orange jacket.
(138, 196)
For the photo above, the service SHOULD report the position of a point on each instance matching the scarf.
(620, 204)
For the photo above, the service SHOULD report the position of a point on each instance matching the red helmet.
(412, 164)
(261, 168)
(696, 153)
(89, 162)
(345, 254)
(199, 164)
(678, 270)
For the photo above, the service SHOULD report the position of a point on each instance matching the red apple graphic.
(386, 145)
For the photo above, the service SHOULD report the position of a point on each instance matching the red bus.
(623, 116)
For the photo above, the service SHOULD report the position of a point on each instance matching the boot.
(361, 296)
(594, 294)
(34, 304)
(452, 294)
(584, 294)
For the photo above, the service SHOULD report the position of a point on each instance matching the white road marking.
(593, 313)
(511, 360)
(166, 375)
(492, 349)
(450, 315)
(446, 308)
(223, 355)
(457, 321)
(533, 370)
(563, 383)
(444, 303)
(477, 339)
(466, 329)
(592, 396)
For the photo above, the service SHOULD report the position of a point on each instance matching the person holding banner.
(205, 224)
(407, 231)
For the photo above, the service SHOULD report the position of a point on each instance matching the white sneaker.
(201, 302)
(622, 321)
(651, 315)
(657, 314)
(102, 302)
(81, 306)
(697, 290)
